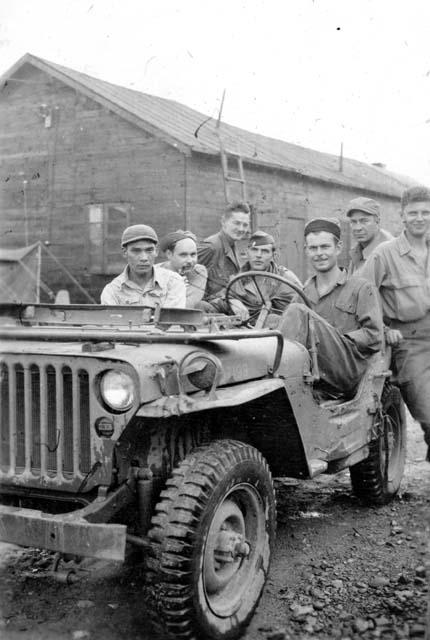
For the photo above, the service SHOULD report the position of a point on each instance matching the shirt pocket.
(347, 305)
(132, 298)
(404, 281)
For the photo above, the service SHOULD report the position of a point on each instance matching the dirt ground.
(340, 570)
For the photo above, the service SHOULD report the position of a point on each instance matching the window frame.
(100, 260)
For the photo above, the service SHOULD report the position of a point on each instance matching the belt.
(421, 326)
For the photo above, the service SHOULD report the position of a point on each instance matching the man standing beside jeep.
(219, 253)
(142, 282)
(345, 313)
(401, 271)
(364, 215)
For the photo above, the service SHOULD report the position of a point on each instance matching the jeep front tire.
(212, 535)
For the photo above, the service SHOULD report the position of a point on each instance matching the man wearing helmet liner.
(345, 312)
(181, 251)
(142, 282)
(401, 271)
(364, 217)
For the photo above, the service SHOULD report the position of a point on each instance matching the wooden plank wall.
(87, 155)
(90, 155)
(283, 203)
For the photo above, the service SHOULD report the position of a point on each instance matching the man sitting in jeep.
(142, 282)
(247, 295)
(346, 313)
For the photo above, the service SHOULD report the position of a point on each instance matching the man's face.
(416, 218)
(322, 250)
(236, 225)
(364, 226)
(259, 257)
(184, 255)
(140, 256)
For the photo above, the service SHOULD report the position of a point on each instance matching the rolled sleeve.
(369, 337)
(108, 296)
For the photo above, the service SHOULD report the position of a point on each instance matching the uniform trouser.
(411, 367)
(341, 364)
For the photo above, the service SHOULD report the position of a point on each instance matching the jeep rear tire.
(212, 535)
(376, 480)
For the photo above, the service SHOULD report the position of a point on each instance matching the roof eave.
(28, 58)
(278, 167)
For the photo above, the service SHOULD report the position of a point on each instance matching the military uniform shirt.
(352, 307)
(402, 279)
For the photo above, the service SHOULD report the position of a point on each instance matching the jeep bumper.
(67, 533)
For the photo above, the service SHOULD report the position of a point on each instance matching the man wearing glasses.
(400, 269)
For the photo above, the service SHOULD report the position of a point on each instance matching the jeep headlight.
(117, 390)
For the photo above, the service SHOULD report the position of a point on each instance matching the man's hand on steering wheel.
(239, 309)
(266, 303)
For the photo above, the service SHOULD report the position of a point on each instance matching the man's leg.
(411, 359)
(340, 363)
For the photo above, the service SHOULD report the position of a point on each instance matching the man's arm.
(206, 254)
(369, 315)
(176, 296)
(284, 294)
(108, 296)
(375, 271)
(197, 286)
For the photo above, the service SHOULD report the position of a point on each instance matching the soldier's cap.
(169, 241)
(331, 225)
(367, 205)
(138, 232)
(259, 238)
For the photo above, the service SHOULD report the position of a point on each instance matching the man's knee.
(293, 319)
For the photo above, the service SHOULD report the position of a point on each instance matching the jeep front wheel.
(377, 478)
(212, 534)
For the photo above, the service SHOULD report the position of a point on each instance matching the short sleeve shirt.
(402, 279)
(166, 288)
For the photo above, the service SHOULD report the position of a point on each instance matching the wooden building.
(81, 158)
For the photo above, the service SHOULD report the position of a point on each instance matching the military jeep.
(160, 430)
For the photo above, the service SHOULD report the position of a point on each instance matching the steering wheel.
(266, 303)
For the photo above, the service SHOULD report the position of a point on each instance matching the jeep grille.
(44, 419)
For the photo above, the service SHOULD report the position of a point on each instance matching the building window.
(107, 221)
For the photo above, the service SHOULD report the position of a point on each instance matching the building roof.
(192, 131)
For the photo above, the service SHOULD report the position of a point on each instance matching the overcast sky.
(315, 73)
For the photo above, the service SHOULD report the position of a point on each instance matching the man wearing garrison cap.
(245, 298)
(364, 216)
(345, 312)
(400, 269)
(142, 282)
(181, 251)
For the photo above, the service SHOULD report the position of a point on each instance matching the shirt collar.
(359, 253)
(160, 276)
(404, 244)
(311, 290)
(227, 238)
